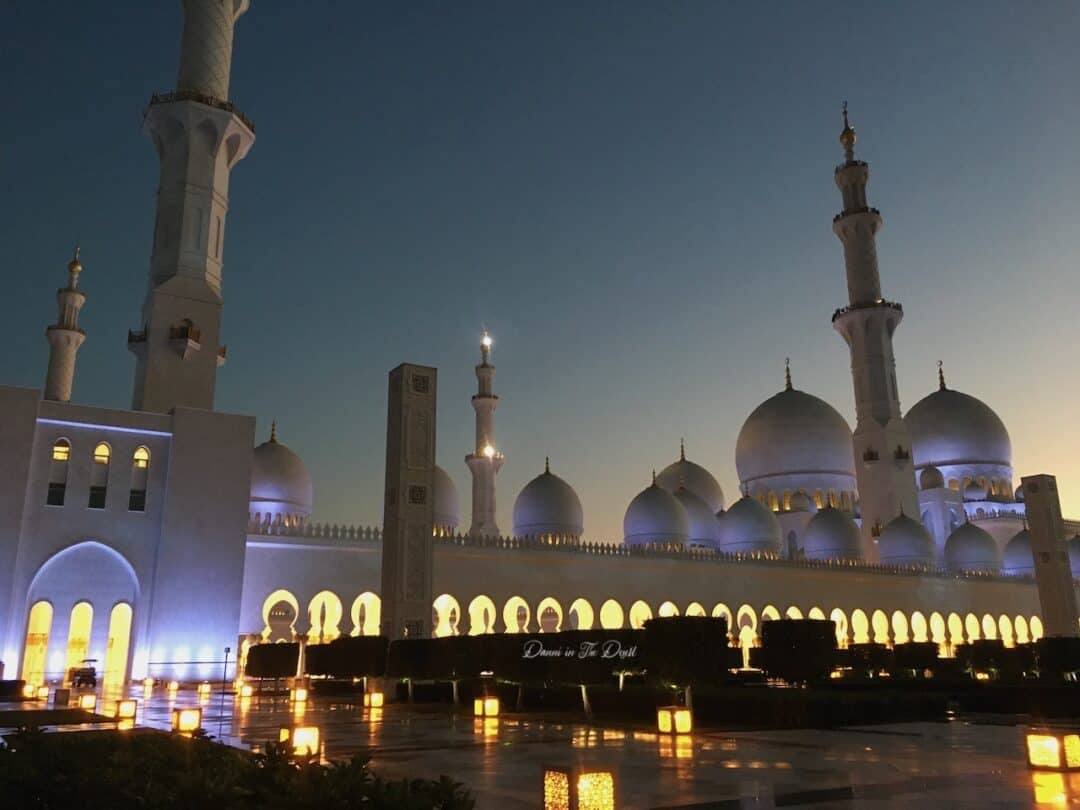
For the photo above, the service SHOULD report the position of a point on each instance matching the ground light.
(373, 700)
(174, 687)
(29, 691)
(186, 720)
(298, 694)
(572, 789)
(204, 689)
(674, 720)
(42, 693)
(246, 690)
(88, 702)
(125, 709)
(304, 740)
(1050, 749)
(486, 707)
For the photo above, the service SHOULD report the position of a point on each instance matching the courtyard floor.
(958, 763)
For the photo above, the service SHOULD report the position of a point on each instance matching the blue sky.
(635, 198)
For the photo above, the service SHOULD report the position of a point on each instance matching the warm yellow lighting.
(982, 676)
(88, 702)
(245, 705)
(125, 725)
(304, 739)
(102, 453)
(674, 720)
(186, 720)
(566, 789)
(677, 746)
(486, 341)
(125, 709)
(174, 686)
(1049, 789)
(29, 691)
(596, 791)
(43, 693)
(486, 707)
(556, 790)
(1043, 751)
(246, 691)
(1072, 751)
(298, 694)
(373, 700)
(204, 689)
(61, 451)
(489, 451)
(141, 458)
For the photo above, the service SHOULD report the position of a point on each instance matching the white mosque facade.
(906, 528)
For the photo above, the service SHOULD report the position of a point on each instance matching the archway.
(516, 615)
(918, 627)
(611, 615)
(80, 625)
(793, 612)
(695, 609)
(956, 631)
(549, 615)
(840, 620)
(816, 613)
(769, 612)
(860, 626)
(937, 633)
(667, 609)
(880, 625)
(482, 615)
(447, 614)
(580, 614)
(746, 622)
(1035, 628)
(640, 613)
(1021, 626)
(989, 627)
(971, 627)
(1005, 630)
(720, 609)
(36, 647)
(366, 614)
(118, 646)
(279, 613)
(324, 616)
(899, 627)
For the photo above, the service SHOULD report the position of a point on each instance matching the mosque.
(906, 528)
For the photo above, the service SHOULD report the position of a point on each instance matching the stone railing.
(318, 531)
(881, 302)
(201, 98)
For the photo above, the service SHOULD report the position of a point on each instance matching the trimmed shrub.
(798, 650)
(687, 650)
(272, 660)
(347, 657)
(915, 655)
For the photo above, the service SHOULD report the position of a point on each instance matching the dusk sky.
(634, 198)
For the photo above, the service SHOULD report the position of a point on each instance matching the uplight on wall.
(1051, 749)
(486, 707)
(125, 709)
(186, 720)
(570, 789)
(87, 702)
(174, 687)
(373, 700)
(304, 740)
(674, 720)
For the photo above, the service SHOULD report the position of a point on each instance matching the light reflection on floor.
(500, 759)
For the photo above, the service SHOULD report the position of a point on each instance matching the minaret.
(485, 461)
(65, 337)
(883, 464)
(199, 137)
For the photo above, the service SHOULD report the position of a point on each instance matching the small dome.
(702, 521)
(1019, 494)
(748, 526)
(695, 478)
(793, 433)
(800, 502)
(970, 548)
(905, 541)
(280, 483)
(654, 516)
(447, 503)
(948, 427)
(931, 478)
(832, 535)
(974, 492)
(548, 506)
(1018, 560)
(1074, 555)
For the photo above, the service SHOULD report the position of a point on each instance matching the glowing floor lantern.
(125, 709)
(298, 694)
(174, 687)
(246, 691)
(304, 740)
(88, 702)
(204, 689)
(186, 720)
(373, 700)
(571, 789)
(29, 691)
(486, 707)
(674, 720)
(42, 693)
(147, 688)
(1051, 749)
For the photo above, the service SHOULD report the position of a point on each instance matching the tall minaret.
(884, 469)
(65, 337)
(485, 461)
(199, 137)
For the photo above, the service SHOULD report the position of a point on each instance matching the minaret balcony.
(185, 340)
(881, 303)
(201, 98)
(866, 209)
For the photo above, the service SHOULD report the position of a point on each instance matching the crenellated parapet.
(317, 531)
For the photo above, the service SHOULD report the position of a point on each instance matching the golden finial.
(682, 449)
(847, 136)
(75, 266)
(273, 431)
(940, 376)
(787, 373)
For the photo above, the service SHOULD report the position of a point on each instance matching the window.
(102, 453)
(61, 452)
(140, 467)
(142, 458)
(99, 476)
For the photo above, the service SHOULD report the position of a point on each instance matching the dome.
(1074, 555)
(800, 502)
(695, 478)
(974, 492)
(280, 483)
(702, 521)
(931, 478)
(948, 427)
(654, 516)
(790, 433)
(1018, 560)
(447, 504)
(970, 548)
(905, 541)
(548, 506)
(832, 535)
(748, 526)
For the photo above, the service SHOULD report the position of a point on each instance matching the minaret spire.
(273, 431)
(940, 376)
(199, 136)
(787, 373)
(682, 449)
(485, 461)
(884, 469)
(65, 337)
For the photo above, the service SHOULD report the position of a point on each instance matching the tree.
(798, 651)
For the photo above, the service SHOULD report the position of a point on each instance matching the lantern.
(186, 720)
(486, 707)
(373, 700)
(204, 689)
(1052, 749)
(674, 720)
(246, 690)
(174, 687)
(87, 702)
(298, 694)
(147, 688)
(571, 789)
(125, 709)
(29, 691)
(43, 692)
(304, 740)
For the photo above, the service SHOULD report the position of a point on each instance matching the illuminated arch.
(447, 615)
(118, 646)
(611, 615)
(769, 612)
(366, 614)
(937, 632)
(549, 615)
(640, 612)
(482, 614)
(899, 627)
(695, 609)
(1021, 626)
(989, 627)
(1005, 630)
(839, 618)
(667, 609)
(1035, 628)
(918, 628)
(274, 630)
(516, 615)
(80, 624)
(36, 646)
(860, 627)
(972, 627)
(746, 617)
(880, 624)
(956, 630)
(793, 612)
(581, 614)
(324, 617)
(816, 613)
(720, 609)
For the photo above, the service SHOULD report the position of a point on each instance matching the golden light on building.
(486, 707)
(204, 689)
(298, 694)
(246, 691)
(570, 789)
(489, 451)
(1053, 749)
(373, 700)
(674, 720)
(125, 725)
(29, 690)
(88, 702)
(486, 727)
(174, 687)
(186, 720)
(303, 739)
(42, 693)
(126, 709)
(147, 688)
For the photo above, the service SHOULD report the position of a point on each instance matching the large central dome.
(793, 433)
(950, 428)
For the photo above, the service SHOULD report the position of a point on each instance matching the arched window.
(140, 470)
(99, 476)
(58, 467)
(36, 648)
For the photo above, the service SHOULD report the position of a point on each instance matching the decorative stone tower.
(1057, 593)
(199, 137)
(65, 337)
(485, 461)
(883, 464)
